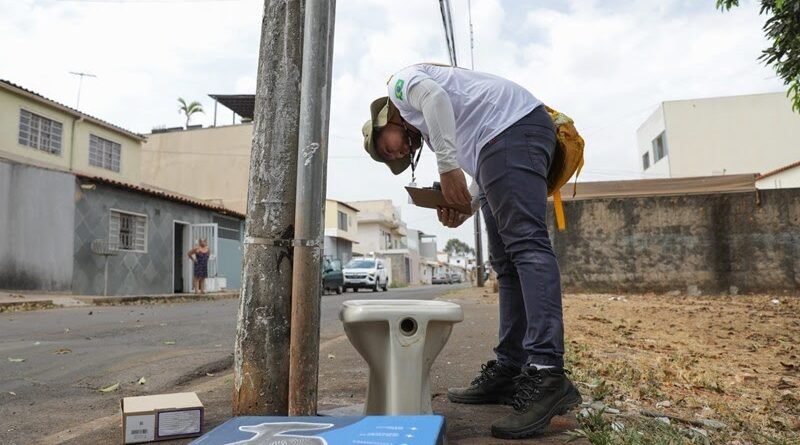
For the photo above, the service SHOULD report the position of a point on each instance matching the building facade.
(39, 131)
(211, 164)
(80, 222)
(719, 136)
(72, 200)
(382, 233)
(341, 230)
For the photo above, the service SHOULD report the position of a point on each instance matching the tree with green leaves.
(189, 109)
(455, 246)
(783, 29)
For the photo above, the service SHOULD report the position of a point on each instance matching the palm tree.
(189, 109)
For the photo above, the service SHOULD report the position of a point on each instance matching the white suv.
(367, 273)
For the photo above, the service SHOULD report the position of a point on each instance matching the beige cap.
(379, 111)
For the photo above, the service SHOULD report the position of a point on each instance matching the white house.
(382, 233)
(785, 177)
(719, 136)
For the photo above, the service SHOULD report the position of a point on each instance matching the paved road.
(69, 353)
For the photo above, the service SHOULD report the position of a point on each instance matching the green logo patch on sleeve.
(398, 88)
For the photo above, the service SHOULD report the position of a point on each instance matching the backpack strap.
(558, 207)
(577, 173)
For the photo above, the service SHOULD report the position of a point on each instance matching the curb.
(21, 306)
(155, 299)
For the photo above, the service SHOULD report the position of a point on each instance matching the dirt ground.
(732, 359)
(727, 366)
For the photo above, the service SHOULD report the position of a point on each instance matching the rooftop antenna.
(80, 83)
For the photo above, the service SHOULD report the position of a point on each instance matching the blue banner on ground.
(370, 430)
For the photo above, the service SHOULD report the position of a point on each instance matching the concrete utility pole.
(309, 228)
(261, 365)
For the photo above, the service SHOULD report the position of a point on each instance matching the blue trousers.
(512, 175)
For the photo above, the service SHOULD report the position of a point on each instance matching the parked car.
(332, 276)
(365, 273)
(455, 278)
(441, 278)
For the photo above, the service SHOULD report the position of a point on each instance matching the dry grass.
(733, 359)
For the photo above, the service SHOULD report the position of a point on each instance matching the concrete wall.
(338, 248)
(731, 135)
(396, 269)
(206, 163)
(427, 249)
(663, 244)
(37, 214)
(150, 272)
(426, 273)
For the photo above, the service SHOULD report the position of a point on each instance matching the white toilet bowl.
(399, 339)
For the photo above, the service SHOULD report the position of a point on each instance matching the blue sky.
(607, 63)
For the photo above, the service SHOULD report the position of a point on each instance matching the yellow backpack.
(567, 160)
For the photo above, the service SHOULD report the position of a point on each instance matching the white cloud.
(607, 63)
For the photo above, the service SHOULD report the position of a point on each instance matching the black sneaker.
(541, 395)
(494, 385)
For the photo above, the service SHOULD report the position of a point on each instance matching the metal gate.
(209, 233)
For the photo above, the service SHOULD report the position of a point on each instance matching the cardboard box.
(161, 417)
(320, 430)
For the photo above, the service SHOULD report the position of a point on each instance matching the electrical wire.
(447, 23)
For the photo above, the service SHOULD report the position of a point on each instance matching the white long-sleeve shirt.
(458, 111)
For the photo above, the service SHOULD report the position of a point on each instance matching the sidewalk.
(11, 301)
(343, 380)
(343, 376)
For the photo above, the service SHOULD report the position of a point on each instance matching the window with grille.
(40, 132)
(342, 220)
(128, 231)
(104, 153)
(646, 160)
(659, 148)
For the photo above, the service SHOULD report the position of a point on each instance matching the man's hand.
(454, 188)
(450, 218)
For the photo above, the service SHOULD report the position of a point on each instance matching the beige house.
(213, 165)
(210, 164)
(382, 233)
(341, 229)
(39, 131)
(756, 133)
(380, 227)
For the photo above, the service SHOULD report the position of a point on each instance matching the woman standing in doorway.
(199, 256)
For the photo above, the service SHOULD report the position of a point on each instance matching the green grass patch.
(600, 429)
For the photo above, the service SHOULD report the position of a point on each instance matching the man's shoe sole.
(478, 400)
(562, 407)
